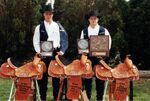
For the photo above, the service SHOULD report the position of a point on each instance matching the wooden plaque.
(99, 45)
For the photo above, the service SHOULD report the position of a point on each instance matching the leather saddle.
(22, 76)
(30, 69)
(62, 67)
(118, 78)
(122, 70)
(72, 70)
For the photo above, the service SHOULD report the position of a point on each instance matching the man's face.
(93, 20)
(48, 16)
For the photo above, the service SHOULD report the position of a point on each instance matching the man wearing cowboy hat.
(50, 30)
(94, 28)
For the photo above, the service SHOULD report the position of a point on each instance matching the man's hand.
(60, 53)
(84, 54)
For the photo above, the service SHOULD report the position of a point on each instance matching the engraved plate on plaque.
(99, 45)
(83, 46)
(46, 48)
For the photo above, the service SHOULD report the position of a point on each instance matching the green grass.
(5, 86)
(141, 90)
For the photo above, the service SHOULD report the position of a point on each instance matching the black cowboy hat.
(46, 8)
(92, 13)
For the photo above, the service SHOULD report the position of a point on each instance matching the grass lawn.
(141, 90)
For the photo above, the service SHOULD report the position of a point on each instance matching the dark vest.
(43, 33)
(101, 32)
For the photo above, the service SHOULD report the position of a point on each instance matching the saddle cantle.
(118, 78)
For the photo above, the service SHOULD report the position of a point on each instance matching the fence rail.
(144, 74)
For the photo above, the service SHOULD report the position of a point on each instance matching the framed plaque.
(46, 48)
(99, 45)
(83, 46)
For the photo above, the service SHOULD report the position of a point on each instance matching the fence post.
(131, 90)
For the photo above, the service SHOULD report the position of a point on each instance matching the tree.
(137, 32)
(17, 21)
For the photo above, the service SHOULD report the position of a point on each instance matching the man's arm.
(82, 36)
(36, 39)
(110, 40)
(63, 39)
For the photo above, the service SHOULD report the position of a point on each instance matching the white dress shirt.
(52, 30)
(95, 31)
